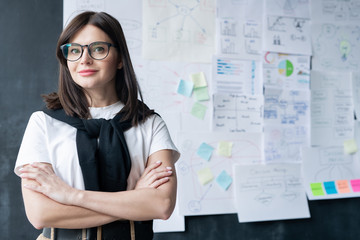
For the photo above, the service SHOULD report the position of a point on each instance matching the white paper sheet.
(286, 71)
(286, 107)
(179, 31)
(269, 192)
(356, 93)
(289, 8)
(238, 113)
(198, 199)
(232, 75)
(336, 47)
(329, 173)
(130, 17)
(283, 143)
(332, 112)
(239, 29)
(335, 11)
(159, 82)
(287, 27)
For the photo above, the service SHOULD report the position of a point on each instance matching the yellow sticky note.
(350, 146)
(224, 148)
(205, 175)
(198, 79)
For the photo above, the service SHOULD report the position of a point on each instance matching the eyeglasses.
(97, 50)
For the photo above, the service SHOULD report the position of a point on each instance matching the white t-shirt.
(52, 141)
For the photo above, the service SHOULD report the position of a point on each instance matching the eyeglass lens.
(97, 50)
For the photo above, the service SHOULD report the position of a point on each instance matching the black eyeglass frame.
(88, 48)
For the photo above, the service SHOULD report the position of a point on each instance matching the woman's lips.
(87, 72)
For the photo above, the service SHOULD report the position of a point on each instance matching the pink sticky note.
(343, 186)
(355, 184)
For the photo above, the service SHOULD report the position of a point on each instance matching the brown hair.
(71, 97)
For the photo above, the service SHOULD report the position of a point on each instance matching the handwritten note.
(269, 192)
(328, 172)
(238, 113)
(332, 111)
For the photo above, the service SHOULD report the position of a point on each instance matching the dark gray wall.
(28, 68)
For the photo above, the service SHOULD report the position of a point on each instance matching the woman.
(97, 159)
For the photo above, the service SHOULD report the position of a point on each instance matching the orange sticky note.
(343, 186)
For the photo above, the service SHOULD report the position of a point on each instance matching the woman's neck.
(102, 100)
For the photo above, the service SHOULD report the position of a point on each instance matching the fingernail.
(169, 171)
(158, 162)
(169, 168)
(21, 169)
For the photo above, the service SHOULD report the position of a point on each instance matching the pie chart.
(286, 68)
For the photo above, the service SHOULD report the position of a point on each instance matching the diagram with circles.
(333, 171)
(199, 198)
(179, 30)
(271, 191)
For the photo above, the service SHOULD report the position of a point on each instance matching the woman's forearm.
(45, 212)
(138, 205)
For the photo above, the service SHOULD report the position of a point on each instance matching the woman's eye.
(74, 51)
(98, 49)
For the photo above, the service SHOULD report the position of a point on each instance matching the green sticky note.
(350, 146)
(199, 110)
(198, 79)
(224, 148)
(317, 189)
(201, 94)
(205, 175)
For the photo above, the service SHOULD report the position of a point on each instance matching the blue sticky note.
(185, 88)
(330, 187)
(224, 180)
(205, 151)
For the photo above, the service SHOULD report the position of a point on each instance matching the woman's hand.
(49, 183)
(154, 176)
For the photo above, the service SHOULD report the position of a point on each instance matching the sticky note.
(355, 185)
(198, 79)
(185, 88)
(330, 187)
(205, 175)
(317, 189)
(343, 186)
(350, 146)
(199, 110)
(205, 151)
(224, 148)
(201, 94)
(224, 180)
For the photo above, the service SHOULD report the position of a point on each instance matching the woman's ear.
(120, 65)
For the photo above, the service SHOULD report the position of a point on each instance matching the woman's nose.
(85, 58)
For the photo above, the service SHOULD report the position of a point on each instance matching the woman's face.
(95, 76)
